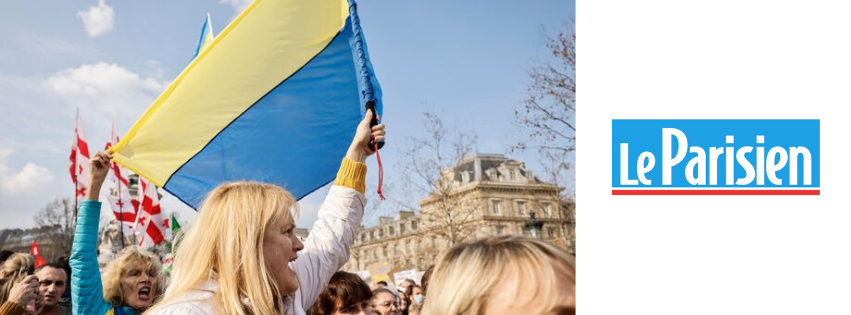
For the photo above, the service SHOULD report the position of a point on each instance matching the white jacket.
(326, 249)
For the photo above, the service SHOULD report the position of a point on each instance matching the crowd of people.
(241, 256)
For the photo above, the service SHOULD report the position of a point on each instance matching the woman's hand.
(25, 291)
(98, 168)
(359, 149)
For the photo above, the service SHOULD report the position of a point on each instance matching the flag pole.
(76, 153)
(139, 210)
(120, 204)
(121, 211)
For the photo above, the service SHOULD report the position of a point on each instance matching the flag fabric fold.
(152, 225)
(123, 206)
(79, 161)
(34, 250)
(275, 98)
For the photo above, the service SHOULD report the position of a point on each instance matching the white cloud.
(29, 179)
(238, 5)
(106, 86)
(98, 19)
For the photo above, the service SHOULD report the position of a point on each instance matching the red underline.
(714, 192)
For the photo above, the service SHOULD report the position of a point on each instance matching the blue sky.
(465, 60)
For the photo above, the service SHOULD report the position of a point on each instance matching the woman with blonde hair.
(131, 283)
(14, 270)
(502, 275)
(241, 256)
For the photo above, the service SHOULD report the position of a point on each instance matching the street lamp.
(534, 227)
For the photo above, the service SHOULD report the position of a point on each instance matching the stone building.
(486, 194)
(50, 241)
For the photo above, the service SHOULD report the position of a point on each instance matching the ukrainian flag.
(206, 36)
(274, 98)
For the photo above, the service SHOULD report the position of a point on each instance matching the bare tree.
(57, 221)
(426, 170)
(547, 117)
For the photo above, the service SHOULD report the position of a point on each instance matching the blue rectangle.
(780, 137)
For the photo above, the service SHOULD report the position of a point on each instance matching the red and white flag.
(152, 225)
(80, 161)
(37, 253)
(123, 206)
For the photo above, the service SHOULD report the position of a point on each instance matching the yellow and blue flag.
(206, 36)
(275, 98)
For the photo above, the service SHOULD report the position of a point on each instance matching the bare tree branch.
(425, 162)
(547, 114)
(58, 217)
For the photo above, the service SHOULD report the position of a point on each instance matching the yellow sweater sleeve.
(11, 308)
(352, 174)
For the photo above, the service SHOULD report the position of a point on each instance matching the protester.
(346, 293)
(23, 298)
(502, 275)
(65, 298)
(403, 302)
(52, 282)
(415, 295)
(219, 269)
(384, 301)
(14, 270)
(131, 282)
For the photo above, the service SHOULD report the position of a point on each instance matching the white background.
(715, 60)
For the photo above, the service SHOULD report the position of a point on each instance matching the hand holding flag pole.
(374, 145)
(376, 142)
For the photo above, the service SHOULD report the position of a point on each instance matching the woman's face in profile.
(280, 247)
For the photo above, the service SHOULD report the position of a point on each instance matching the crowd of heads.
(39, 290)
(493, 275)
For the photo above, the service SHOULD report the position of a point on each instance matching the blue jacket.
(86, 285)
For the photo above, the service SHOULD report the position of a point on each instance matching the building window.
(413, 225)
(521, 207)
(546, 209)
(381, 233)
(391, 231)
(401, 228)
(470, 209)
(551, 233)
(407, 248)
(495, 207)
(363, 237)
(500, 230)
(513, 176)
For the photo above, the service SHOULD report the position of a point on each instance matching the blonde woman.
(241, 256)
(13, 271)
(131, 282)
(502, 275)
